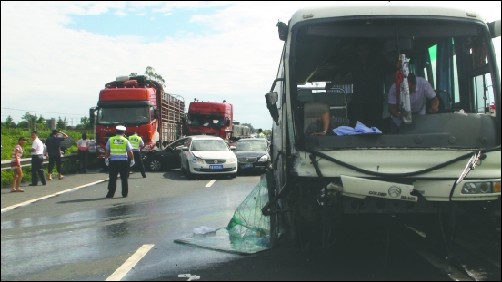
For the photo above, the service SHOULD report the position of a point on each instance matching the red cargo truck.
(210, 118)
(142, 106)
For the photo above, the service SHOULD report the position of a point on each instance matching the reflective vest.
(118, 148)
(135, 141)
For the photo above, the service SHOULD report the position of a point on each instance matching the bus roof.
(320, 12)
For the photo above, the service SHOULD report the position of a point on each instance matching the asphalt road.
(80, 235)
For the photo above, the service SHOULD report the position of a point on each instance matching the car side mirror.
(184, 148)
(233, 148)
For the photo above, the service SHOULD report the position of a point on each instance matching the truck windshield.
(122, 115)
(205, 120)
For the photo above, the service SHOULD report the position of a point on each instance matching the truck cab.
(210, 118)
(142, 106)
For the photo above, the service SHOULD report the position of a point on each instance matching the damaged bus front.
(363, 157)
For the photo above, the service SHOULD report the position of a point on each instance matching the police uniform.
(117, 147)
(136, 143)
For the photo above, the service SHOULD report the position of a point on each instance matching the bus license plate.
(216, 167)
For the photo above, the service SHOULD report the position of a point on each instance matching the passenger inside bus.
(420, 92)
(319, 120)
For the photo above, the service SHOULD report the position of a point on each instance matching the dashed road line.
(130, 263)
(210, 183)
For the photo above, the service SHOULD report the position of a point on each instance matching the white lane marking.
(130, 263)
(189, 277)
(210, 183)
(25, 203)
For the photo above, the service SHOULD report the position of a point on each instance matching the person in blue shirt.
(118, 150)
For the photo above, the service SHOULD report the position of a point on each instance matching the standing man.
(37, 157)
(54, 153)
(83, 148)
(138, 144)
(118, 149)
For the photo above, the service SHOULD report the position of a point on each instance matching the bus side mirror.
(271, 99)
(282, 29)
(494, 28)
(227, 122)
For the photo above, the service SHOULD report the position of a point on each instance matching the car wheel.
(155, 165)
(189, 174)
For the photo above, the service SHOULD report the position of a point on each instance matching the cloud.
(50, 65)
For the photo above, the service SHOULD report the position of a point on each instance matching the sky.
(57, 56)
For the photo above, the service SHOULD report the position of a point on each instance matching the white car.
(207, 155)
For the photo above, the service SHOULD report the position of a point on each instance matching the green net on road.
(246, 233)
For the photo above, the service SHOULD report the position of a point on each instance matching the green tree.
(60, 124)
(151, 74)
(9, 122)
(41, 123)
(85, 123)
(31, 120)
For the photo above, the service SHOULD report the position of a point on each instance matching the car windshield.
(252, 145)
(209, 145)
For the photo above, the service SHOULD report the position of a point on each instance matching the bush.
(9, 141)
(68, 165)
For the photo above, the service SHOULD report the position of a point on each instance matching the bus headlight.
(482, 187)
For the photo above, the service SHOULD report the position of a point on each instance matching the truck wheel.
(155, 165)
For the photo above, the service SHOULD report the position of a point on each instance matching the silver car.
(208, 155)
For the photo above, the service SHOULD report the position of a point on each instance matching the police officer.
(261, 134)
(118, 149)
(138, 144)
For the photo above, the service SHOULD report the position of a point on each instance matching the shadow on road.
(81, 200)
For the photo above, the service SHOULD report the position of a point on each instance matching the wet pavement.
(83, 236)
(69, 181)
